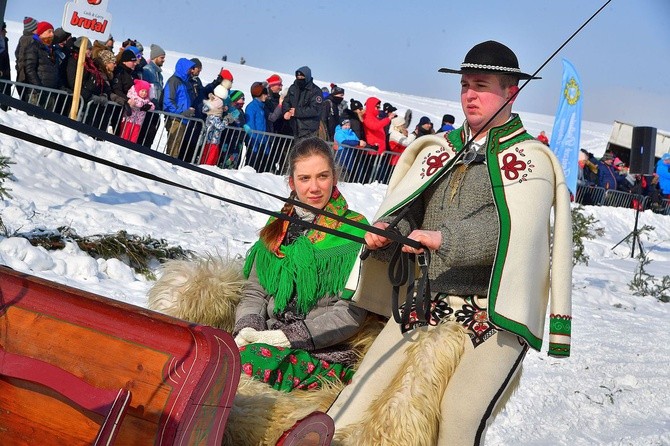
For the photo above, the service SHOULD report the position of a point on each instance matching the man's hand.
(430, 239)
(374, 241)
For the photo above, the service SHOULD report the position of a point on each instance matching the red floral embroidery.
(436, 162)
(266, 353)
(511, 166)
(248, 369)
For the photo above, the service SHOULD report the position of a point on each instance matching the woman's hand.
(374, 241)
(272, 337)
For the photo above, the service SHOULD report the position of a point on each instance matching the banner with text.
(88, 18)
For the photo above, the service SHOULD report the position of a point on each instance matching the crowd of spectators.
(363, 134)
(611, 174)
(48, 58)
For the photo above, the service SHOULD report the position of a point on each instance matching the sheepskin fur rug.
(205, 291)
(408, 413)
(261, 414)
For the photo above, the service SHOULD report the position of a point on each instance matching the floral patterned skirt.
(469, 311)
(288, 369)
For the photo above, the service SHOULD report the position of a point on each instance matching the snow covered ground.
(614, 390)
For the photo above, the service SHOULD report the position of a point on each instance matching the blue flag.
(568, 124)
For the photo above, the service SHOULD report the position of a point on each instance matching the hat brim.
(484, 71)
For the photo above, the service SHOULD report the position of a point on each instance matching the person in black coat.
(5, 66)
(330, 111)
(302, 105)
(41, 65)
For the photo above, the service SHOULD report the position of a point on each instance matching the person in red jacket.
(375, 135)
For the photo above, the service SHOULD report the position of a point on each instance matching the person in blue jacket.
(663, 172)
(178, 98)
(346, 140)
(256, 120)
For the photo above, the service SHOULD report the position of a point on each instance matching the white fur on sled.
(205, 291)
(408, 412)
(208, 290)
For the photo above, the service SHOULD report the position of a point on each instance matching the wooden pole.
(78, 78)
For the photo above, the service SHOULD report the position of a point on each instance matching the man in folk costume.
(479, 199)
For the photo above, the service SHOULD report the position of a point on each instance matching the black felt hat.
(490, 57)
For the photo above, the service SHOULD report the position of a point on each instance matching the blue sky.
(622, 56)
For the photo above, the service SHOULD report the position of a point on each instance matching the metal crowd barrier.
(598, 196)
(170, 133)
(364, 165)
(620, 199)
(185, 138)
(56, 101)
(265, 152)
(665, 207)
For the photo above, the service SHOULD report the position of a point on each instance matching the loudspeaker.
(643, 150)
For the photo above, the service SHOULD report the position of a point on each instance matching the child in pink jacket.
(139, 103)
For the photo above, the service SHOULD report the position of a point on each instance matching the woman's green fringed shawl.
(314, 265)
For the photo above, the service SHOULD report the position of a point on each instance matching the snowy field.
(613, 390)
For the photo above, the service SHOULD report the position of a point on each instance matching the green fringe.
(304, 271)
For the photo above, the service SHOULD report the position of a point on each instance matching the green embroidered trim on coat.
(556, 349)
(493, 148)
(560, 325)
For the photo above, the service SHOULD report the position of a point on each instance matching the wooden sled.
(81, 369)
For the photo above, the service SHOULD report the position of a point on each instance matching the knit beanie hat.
(43, 27)
(665, 156)
(128, 55)
(424, 120)
(141, 84)
(398, 121)
(258, 89)
(221, 92)
(274, 80)
(156, 51)
(135, 50)
(197, 63)
(106, 57)
(77, 43)
(336, 89)
(388, 108)
(355, 105)
(236, 95)
(225, 74)
(29, 24)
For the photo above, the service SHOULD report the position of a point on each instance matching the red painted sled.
(80, 369)
(76, 368)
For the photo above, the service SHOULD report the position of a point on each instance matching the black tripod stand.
(634, 235)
